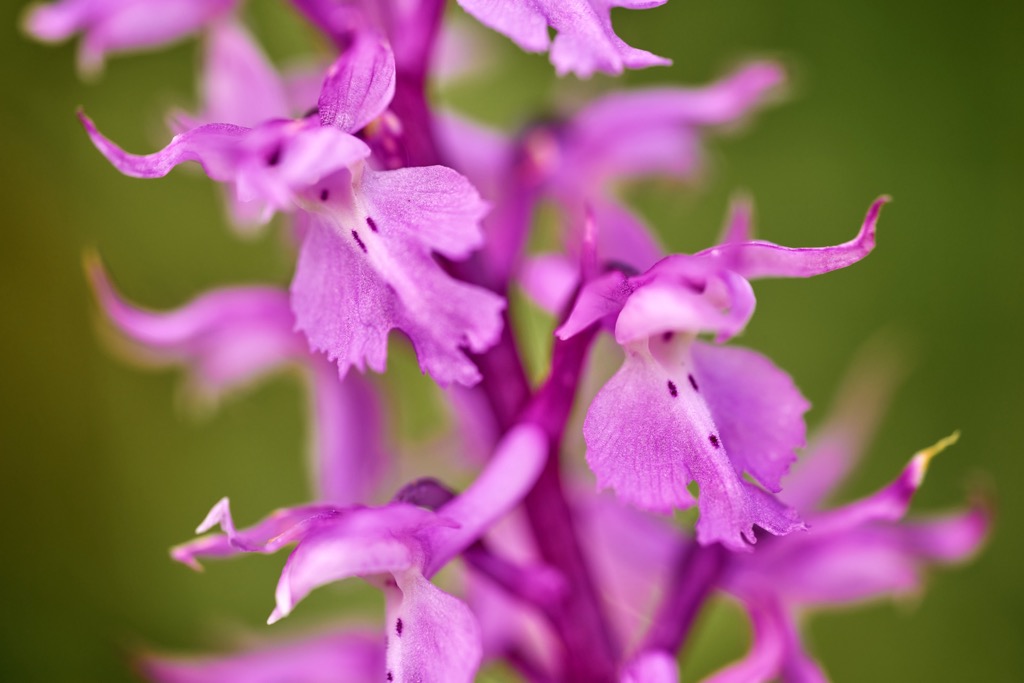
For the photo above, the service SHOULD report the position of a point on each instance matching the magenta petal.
(508, 477)
(268, 165)
(225, 338)
(121, 25)
(950, 538)
(649, 434)
(322, 658)
(721, 304)
(549, 280)
(585, 42)
(361, 542)
(763, 259)
(651, 667)
(359, 85)
(758, 409)
(348, 453)
(432, 636)
(601, 297)
(369, 269)
(775, 652)
(239, 84)
(273, 533)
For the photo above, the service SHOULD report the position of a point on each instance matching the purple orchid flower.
(335, 656)
(432, 636)
(366, 264)
(229, 338)
(586, 42)
(579, 163)
(680, 410)
(121, 25)
(851, 554)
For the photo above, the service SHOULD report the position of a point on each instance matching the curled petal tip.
(218, 514)
(179, 553)
(923, 458)
(276, 616)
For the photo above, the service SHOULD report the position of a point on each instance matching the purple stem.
(591, 651)
(695, 575)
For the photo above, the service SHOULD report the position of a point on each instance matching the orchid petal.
(363, 542)
(225, 338)
(369, 269)
(549, 280)
(508, 477)
(359, 85)
(585, 42)
(602, 296)
(239, 84)
(273, 533)
(432, 636)
(839, 443)
(763, 259)
(267, 165)
(758, 409)
(121, 25)
(775, 651)
(649, 434)
(323, 658)
(651, 667)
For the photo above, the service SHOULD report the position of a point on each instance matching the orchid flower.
(681, 410)
(366, 264)
(432, 636)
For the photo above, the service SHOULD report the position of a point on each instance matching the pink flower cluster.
(411, 219)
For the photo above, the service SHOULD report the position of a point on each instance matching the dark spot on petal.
(398, 628)
(359, 241)
(666, 336)
(693, 382)
(714, 440)
(390, 677)
(274, 158)
(324, 194)
(372, 223)
(672, 389)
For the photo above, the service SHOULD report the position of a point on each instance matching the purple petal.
(763, 259)
(951, 538)
(651, 667)
(361, 542)
(432, 637)
(757, 408)
(121, 25)
(840, 441)
(330, 657)
(267, 165)
(359, 85)
(641, 132)
(348, 454)
(281, 528)
(367, 268)
(508, 477)
(585, 42)
(775, 652)
(649, 434)
(549, 280)
(688, 301)
(601, 297)
(239, 84)
(225, 338)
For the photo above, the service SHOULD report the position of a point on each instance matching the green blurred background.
(103, 469)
